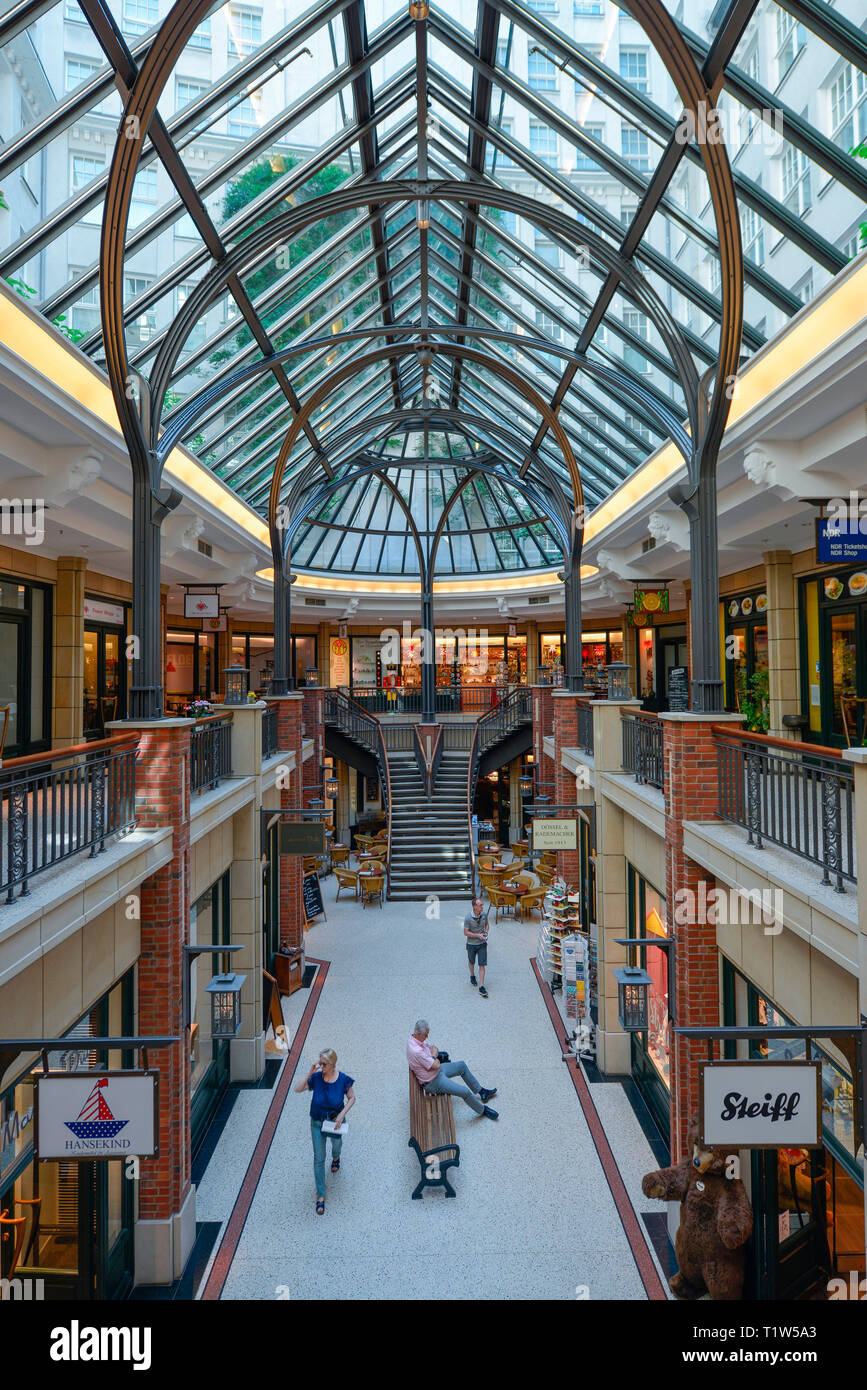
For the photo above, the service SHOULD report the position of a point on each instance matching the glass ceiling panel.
(264, 111)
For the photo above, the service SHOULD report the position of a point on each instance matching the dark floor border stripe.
(243, 1202)
(634, 1234)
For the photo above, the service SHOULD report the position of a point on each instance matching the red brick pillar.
(691, 793)
(313, 718)
(166, 1227)
(565, 717)
(290, 717)
(543, 727)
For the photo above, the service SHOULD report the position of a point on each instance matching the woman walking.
(333, 1098)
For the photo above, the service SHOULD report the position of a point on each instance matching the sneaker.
(485, 1095)
(491, 1114)
(472, 979)
(483, 992)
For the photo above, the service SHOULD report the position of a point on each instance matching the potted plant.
(197, 708)
(756, 703)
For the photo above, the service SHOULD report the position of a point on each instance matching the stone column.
(613, 1050)
(543, 727)
(691, 793)
(247, 1050)
(783, 676)
(313, 719)
(290, 714)
(516, 805)
(629, 656)
(532, 651)
(68, 662)
(166, 1226)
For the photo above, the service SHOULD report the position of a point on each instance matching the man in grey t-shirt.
(476, 933)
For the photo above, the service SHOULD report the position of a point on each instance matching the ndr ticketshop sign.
(105, 1115)
(550, 833)
(761, 1105)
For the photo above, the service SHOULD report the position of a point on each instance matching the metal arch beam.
(560, 525)
(286, 225)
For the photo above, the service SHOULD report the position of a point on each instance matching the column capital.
(700, 717)
(126, 725)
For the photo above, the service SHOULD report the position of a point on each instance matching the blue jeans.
(443, 1082)
(319, 1142)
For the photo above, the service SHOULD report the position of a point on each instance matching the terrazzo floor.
(533, 1216)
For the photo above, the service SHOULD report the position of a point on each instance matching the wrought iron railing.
(270, 736)
(210, 752)
(471, 700)
(584, 715)
(504, 718)
(398, 737)
(642, 749)
(798, 796)
(57, 804)
(428, 749)
(342, 713)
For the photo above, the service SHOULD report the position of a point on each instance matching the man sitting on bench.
(436, 1077)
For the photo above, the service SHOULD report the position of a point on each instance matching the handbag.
(443, 1057)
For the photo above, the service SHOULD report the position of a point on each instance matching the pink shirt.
(420, 1055)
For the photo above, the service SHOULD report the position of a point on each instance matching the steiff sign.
(302, 837)
(97, 1115)
(551, 833)
(761, 1105)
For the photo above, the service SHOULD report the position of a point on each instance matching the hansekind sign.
(761, 1105)
(97, 1115)
(551, 833)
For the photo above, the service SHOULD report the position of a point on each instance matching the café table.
(515, 890)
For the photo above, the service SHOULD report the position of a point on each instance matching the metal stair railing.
(364, 729)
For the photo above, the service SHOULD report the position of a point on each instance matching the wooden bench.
(432, 1135)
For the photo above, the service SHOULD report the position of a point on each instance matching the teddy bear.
(716, 1220)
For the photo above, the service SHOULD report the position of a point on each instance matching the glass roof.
(493, 307)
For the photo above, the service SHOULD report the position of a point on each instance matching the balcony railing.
(55, 805)
(269, 732)
(798, 796)
(585, 727)
(471, 700)
(210, 752)
(642, 749)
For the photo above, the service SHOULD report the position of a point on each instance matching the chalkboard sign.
(678, 688)
(312, 897)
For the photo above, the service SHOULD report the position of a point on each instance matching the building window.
(752, 66)
(139, 16)
(544, 6)
(790, 41)
(583, 160)
(80, 70)
(187, 90)
(201, 37)
(804, 288)
(244, 120)
(846, 94)
(144, 196)
(245, 30)
(84, 169)
(633, 68)
(795, 168)
(638, 426)
(502, 50)
(636, 322)
(548, 327)
(143, 327)
(633, 147)
(586, 7)
(84, 315)
(72, 12)
(753, 234)
(546, 250)
(541, 72)
(594, 51)
(503, 160)
(543, 144)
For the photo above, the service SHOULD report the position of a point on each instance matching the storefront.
(70, 1223)
(744, 624)
(255, 652)
(659, 650)
(650, 1050)
(191, 668)
(598, 649)
(808, 1203)
(209, 1060)
(105, 666)
(25, 667)
(833, 610)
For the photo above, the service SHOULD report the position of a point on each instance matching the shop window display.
(651, 1062)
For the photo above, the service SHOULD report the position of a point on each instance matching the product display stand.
(563, 920)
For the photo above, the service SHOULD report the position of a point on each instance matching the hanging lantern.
(526, 785)
(633, 986)
(225, 992)
(332, 787)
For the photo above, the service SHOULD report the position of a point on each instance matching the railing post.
(96, 771)
(753, 771)
(17, 828)
(831, 831)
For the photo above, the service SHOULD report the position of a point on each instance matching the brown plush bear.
(715, 1221)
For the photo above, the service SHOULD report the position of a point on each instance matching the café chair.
(372, 886)
(498, 898)
(346, 878)
(339, 854)
(533, 899)
(488, 880)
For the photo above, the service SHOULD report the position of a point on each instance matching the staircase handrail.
(472, 776)
(354, 720)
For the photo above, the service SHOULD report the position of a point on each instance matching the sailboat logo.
(95, 1120)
